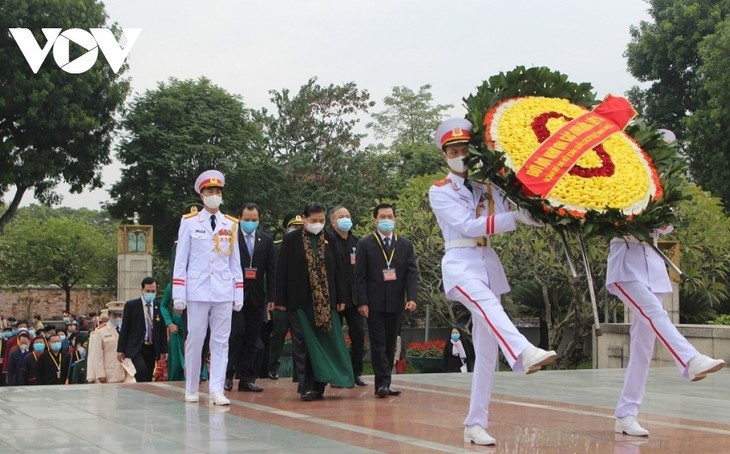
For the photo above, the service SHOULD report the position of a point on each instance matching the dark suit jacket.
(292, 276)
(371, 289)
(260, 290)
(131, 336)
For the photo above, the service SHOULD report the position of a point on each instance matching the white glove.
(179, 304)
(237, 306)
(523, 216)
(665, 230)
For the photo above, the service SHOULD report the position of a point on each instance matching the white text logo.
(92, 41)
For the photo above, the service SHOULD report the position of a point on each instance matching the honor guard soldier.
(208, 281)
(468, 213)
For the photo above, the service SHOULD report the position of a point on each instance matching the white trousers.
(492, 330)
(649, 322)
(201, 315)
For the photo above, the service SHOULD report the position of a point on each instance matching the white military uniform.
(101, 359)
(474, 276)
(208, 277)
(638, 277)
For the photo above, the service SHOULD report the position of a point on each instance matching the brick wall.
(49, 302)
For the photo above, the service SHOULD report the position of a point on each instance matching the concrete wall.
(611, 349)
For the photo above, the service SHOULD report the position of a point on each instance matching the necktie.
(467, 183)
(249, 244)
(386, 241)
(148, 322)
(212, 222)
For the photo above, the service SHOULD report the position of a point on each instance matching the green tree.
(683, 53)
(409, 121)
(174, 133)
(54, 126)
(59, 251)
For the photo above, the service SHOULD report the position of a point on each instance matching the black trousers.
(144, 363)
(243, 343)
(356, 331)
(302, 364)
(383, 328)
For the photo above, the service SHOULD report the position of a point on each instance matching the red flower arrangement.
(428, 349)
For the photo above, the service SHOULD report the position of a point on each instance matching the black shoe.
(247, 386)
(383, 391)
(318, 395)
(228, 384)
(393, 392)
(308, 396)
(359, 382)
(273, 376)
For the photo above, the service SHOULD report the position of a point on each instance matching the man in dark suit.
(386, 282)
(143, 336)
(259, 267)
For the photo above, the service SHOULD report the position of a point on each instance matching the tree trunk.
(12, 208)
(67, 289)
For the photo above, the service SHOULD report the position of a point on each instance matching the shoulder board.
(189, 215)
(442, 182)
(232, 218)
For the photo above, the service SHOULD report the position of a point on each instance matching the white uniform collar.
(456, 181)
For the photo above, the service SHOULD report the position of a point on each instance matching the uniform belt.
(464, 242)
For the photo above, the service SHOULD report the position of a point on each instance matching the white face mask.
(457, 164)
(81, 350)
(212, 201)
(116, 322)
(314, 228)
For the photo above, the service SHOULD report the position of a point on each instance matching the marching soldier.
(208, 281)
(468, 213)
(102, 365)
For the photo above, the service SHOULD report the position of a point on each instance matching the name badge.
(389, 274)
(249, 273)
(352, 259)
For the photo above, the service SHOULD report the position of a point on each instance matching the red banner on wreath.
(559, 152)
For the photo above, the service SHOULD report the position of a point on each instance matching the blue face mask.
(249, 226)
(455, 336)
(148, 297)
(55, 346)
(7, 334)
(386, 225)
(31, 332)
(38, 347)
(15, 331)
(344, 224)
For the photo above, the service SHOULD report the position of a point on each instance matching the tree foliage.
(171, 135)
(54, 126)
(683, 53)
(65, 248)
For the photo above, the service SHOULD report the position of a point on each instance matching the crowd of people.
(235, 293)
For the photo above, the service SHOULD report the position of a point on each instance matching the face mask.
(457, 164)
(148, 297)
(386, 225)
(291, 229)
(31, 332)
(116, 322)
(7, 334)
(249, 226)
(344, 224)
(14, 332)
(81, 350)
(39, 347)
(55, 347)
(65, 319)
(24, 348)
(62, 337)
(455, 336)
(212, 201)
(314, 228)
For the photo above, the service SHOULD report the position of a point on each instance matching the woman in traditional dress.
(307, 284)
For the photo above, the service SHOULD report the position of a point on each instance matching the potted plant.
(426, 356)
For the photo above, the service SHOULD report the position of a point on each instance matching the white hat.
(209, 178)
(453, 130)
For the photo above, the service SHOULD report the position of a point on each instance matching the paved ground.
(548, 412)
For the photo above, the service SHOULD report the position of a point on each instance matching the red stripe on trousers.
(643, 314)
(496, 333)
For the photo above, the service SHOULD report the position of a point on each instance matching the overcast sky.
(250, 47)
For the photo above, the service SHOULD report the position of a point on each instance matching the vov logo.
(92, 41)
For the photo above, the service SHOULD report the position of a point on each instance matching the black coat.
(131, 336)
(370, 287)
(48, 371)
(344, 248)
(292, 276)
(262, 289)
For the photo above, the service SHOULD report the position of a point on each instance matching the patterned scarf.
(318, 281)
